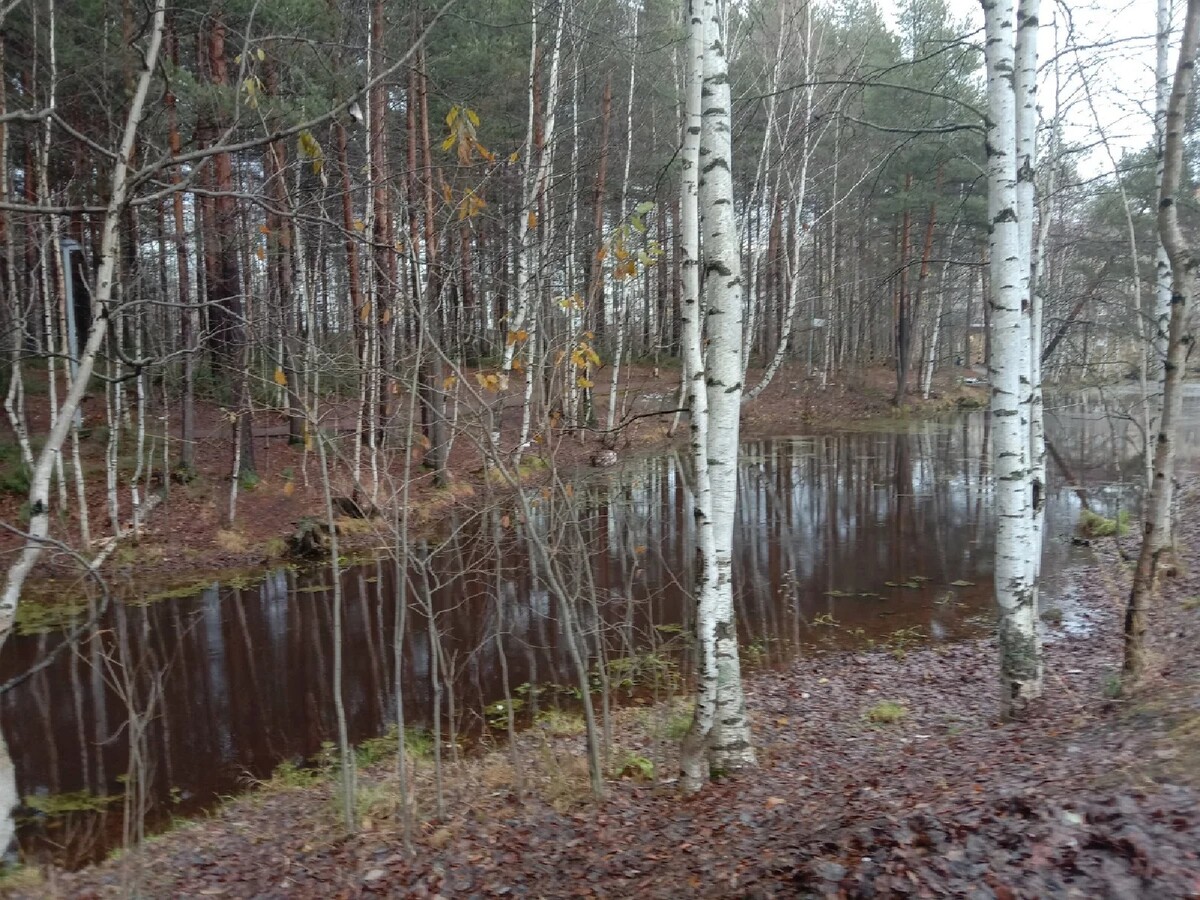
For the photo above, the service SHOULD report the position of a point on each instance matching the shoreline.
(184, 546)
(1091, 793)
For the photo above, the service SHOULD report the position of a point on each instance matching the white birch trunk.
(729, 744)
(621, 288)
(39, 488)
(1156, 353)
(1027, 121)
(1162, 262)
(527, 257)
(799, 190)
(1015, 584)
(520, 304)
(694, 760)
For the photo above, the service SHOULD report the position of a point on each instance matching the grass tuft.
(888, 712)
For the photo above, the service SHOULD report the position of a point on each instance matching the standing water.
(843, 540)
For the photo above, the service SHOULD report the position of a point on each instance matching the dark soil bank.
(881, 775)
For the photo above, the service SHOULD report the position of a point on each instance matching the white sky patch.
(1097, 65)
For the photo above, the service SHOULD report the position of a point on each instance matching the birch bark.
(1010, 182)
(720, 734)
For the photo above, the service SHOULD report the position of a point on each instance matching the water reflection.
(841, 540)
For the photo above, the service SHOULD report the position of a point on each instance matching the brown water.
(236, 679)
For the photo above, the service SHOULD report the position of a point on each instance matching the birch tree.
(1011, 54)
(719, 737)
(1156, 528)
(102, 294)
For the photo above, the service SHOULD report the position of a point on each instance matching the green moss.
(1094, 525)
(73, 802)
(20, 878)
(650, 669)
(632, 765)
(678, 724)
(289, 775)
(43, 617)
(275, 548)
(560, 722)
(888, 712)
(496, 713)
(14, 474)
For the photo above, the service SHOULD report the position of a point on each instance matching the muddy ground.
(882, 774)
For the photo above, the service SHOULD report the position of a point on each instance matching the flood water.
(843, 540)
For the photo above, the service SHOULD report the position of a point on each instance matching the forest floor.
(881, 774)
(188, 539)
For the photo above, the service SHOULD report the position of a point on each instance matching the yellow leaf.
(280, 378)
(399, 246)
(585, 382)
(263, 229)
(365, 313)
(387, 316)
(261, 56)
(517, 365)
(289, 488)
(309, 146)
(360, 225)
(639, 549)
(592, 356)
(449, 382)
(514, 156)
(474, 119)
(423, 442)
(448, 143)
(452, 117)
(569, 489)
(532, 219)
(447, 193)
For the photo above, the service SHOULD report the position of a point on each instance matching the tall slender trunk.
(1156, 528)
(595, 295)
(1010, 165)
(720, 733)
(224, 287)
(621, 289)
(432, 375)
(187, 313)
(1162, 262)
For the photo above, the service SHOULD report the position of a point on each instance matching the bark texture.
(1010, 182)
